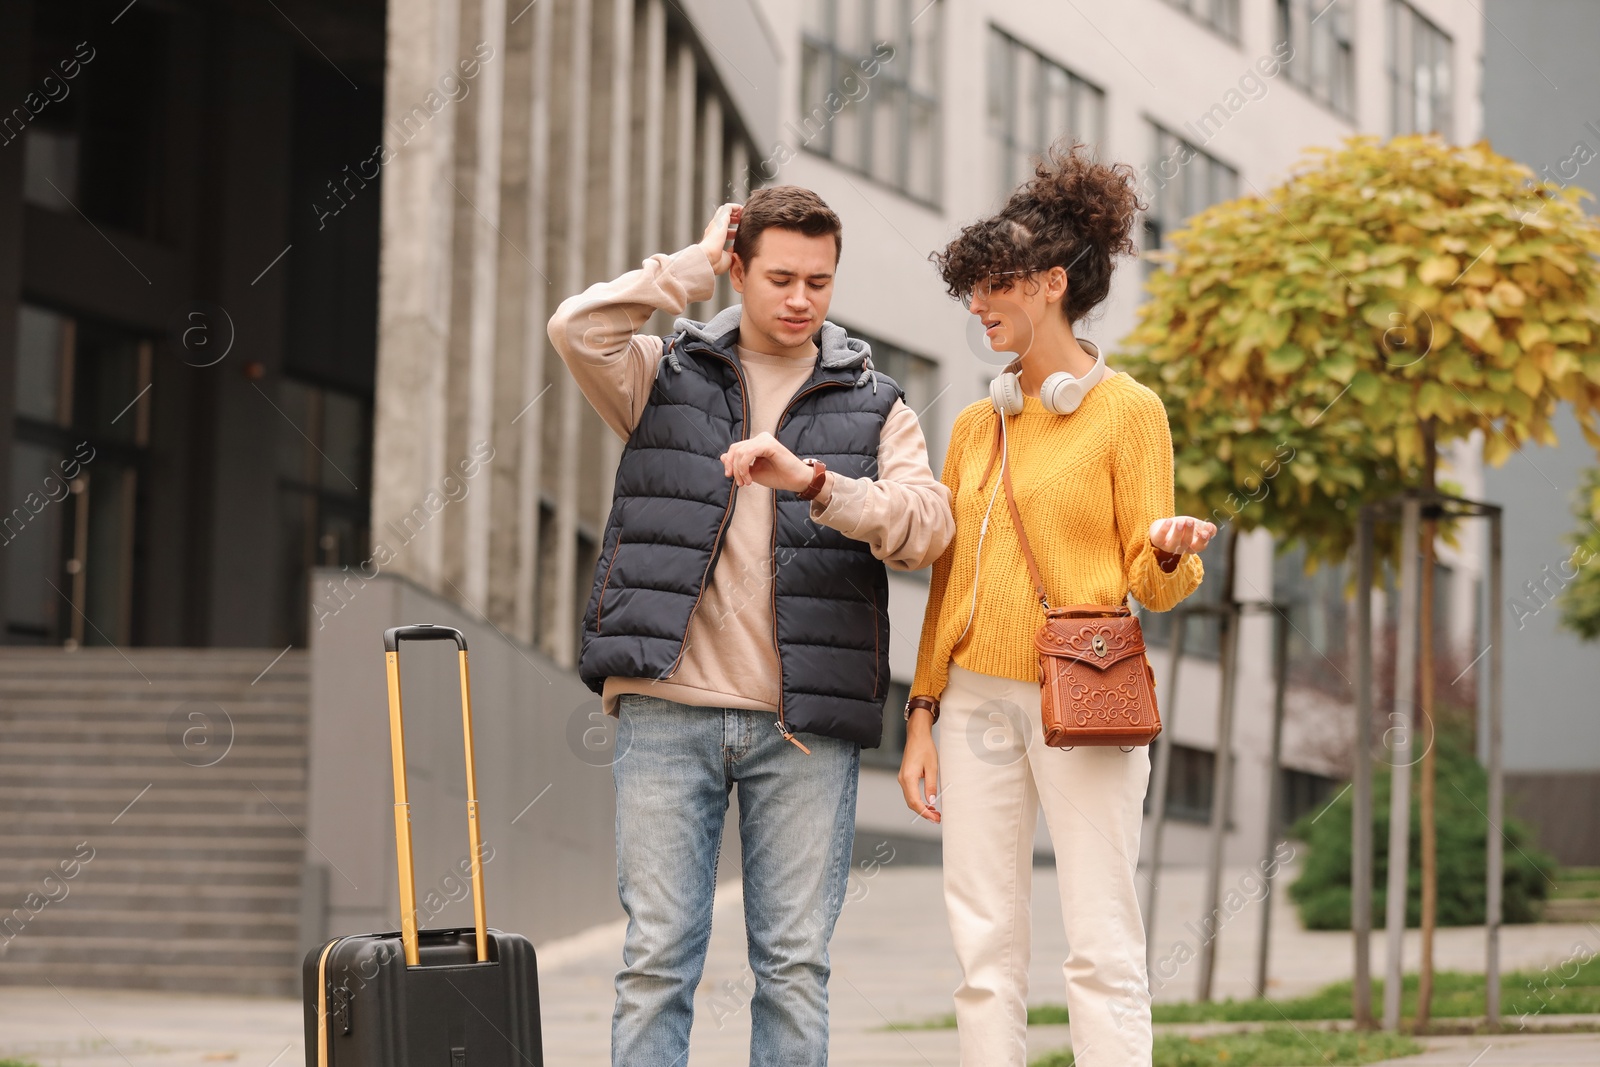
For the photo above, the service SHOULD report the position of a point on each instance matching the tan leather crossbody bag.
(1096, 686)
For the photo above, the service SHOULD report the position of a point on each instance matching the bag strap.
(1016, 516)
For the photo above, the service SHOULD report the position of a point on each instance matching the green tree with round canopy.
(1316, 345)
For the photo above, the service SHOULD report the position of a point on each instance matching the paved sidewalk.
(892, 964)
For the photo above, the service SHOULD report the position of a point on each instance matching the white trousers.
(996, 772)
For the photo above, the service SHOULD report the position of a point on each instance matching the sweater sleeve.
(596, 332)
(904, 512)
(1142, 492)
(933, 663)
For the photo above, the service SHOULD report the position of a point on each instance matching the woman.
(1091, 465)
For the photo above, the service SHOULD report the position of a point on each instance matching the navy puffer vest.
(671, 505)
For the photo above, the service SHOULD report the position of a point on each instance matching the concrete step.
(219, 845)
(97, 921)
(269, 979)
(172, 775)
(195, 881)
(262, 819)
(181, 890)
(181, 792)
(140, 869)
(153, 949)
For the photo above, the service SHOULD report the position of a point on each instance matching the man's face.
(786, 288)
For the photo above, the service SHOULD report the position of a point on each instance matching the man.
(739, 623)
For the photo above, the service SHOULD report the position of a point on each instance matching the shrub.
(1322, 892)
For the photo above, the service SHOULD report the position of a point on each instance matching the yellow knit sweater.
(1088, 486)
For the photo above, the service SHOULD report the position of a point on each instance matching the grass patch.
(1276, 1047)
(1569, 989)
(18, 1063)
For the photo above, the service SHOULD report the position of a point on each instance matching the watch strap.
(819, 473)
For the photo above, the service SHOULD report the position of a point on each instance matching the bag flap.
(1100, 643)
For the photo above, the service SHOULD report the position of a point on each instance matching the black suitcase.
(430, 998)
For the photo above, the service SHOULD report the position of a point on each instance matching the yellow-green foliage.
(1580, 602)
(1300, 338)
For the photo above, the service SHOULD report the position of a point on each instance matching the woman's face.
(1012, 306)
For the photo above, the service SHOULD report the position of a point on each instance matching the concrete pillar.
(475, 185)
(683, 227)
(536, 353)
(653, 165)
(710, 191)
(620, 176)
(654, 62)
(560, 638)
(415, 287)
(521, 309)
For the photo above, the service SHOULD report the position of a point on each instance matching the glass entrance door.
(69, 537)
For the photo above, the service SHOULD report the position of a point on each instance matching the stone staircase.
(151, 808)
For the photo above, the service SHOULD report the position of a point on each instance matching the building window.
(1319, 617)
(869, 90)
(1302, 793)
(1322, 60)
(1033, 103)
(1220, 15)
(97, 143)
(1419, 73)
(1183, 182)
(1191, 783)
(324, 488)
(918, 377)
(79, 460)
(1202, 639)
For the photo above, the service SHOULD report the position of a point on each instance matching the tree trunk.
(1425, 722)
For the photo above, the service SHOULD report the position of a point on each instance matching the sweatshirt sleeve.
(596, 332)
(904, 513)
(933, 663)
(1141, 493)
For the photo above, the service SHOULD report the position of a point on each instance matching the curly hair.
(1075, 213)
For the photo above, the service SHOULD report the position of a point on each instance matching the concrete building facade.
(1247, 86)
(1539, 93)
(289, 285)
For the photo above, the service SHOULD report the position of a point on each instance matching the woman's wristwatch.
(1167, 561)
(917, 703)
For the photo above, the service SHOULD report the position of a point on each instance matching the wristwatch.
(917, 703)
(819, 472)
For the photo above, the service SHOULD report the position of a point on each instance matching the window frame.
(1227, 29)
(820, 44)
(1002, 53)
(1419, 28)
(1322, 50)
(1155, 220)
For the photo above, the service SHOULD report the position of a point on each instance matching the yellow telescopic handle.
(402, 804)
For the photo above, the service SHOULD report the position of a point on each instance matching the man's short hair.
(786, 207)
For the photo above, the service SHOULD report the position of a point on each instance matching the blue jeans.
(797, 818)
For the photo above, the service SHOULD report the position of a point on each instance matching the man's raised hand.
(718, 237)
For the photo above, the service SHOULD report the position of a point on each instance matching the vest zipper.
(600, 607)
(727, 513)
(782, 723)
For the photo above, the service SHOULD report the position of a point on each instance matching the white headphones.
(1060, 393)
